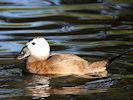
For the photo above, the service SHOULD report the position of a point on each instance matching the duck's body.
(64, 64)
(39, 61)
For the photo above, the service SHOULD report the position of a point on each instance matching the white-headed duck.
(39, 60)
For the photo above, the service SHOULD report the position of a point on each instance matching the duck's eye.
(33, 43)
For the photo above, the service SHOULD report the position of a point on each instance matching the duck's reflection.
(42, 86)
(37, 86)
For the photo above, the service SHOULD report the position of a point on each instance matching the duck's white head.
(38, 48)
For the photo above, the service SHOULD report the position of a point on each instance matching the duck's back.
(65, 64)
(60, 58)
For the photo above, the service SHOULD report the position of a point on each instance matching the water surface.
(92, 29)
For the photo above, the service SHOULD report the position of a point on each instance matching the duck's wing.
(63, 57)
(67, 64)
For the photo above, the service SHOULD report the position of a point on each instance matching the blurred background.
(92, 29)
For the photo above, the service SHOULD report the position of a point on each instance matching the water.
(92, 29)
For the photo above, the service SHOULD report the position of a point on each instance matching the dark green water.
(92, 29)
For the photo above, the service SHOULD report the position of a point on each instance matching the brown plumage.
(64, 64)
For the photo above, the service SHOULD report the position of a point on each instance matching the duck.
(39, 60)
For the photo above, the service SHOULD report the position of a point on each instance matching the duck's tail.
(116, 57)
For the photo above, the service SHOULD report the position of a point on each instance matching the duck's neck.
(34, 59)
(35, 65)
